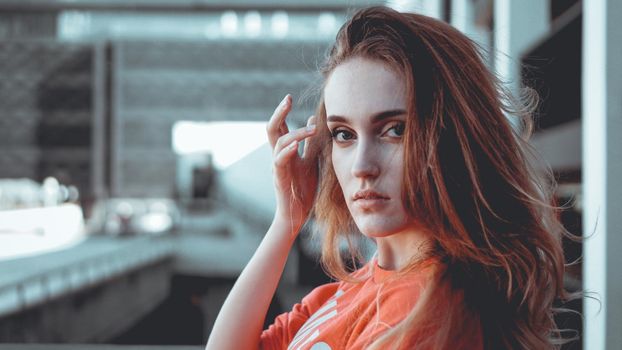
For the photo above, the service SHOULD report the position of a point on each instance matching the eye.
(341, 135)
(395, 130)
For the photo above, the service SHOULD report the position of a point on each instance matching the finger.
(305, 149)
(297, 135)
(284, 155)
(276, 125)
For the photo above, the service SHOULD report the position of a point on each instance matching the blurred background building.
(135, 178)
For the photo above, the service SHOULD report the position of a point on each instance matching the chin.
(379, 230)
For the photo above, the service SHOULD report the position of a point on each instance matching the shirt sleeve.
(285, 326)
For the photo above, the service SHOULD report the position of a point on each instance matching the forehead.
(362, 87)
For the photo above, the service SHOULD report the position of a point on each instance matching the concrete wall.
(47, 100)
(158, 83)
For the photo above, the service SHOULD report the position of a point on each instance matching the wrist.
(286, 225)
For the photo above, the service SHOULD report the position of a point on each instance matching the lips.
(369, 195)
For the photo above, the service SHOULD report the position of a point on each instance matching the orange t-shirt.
(345, 315)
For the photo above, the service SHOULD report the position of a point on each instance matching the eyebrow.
(374, 118)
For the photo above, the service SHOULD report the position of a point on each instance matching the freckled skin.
(368, 153)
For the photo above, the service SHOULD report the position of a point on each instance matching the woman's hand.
(240, 320)
(295, 176)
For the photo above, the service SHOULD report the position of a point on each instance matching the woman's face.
(366, 113)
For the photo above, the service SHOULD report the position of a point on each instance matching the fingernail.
(284, 101)
(311, 127)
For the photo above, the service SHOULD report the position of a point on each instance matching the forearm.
(240, 321)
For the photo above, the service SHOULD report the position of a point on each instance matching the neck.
(397, 250)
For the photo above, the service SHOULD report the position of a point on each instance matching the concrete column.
(463, 16)
(116, 129)
(602, 171)
(98, 133)
(432, 8)
(518, 25)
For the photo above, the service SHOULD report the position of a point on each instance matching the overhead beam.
(181, 5)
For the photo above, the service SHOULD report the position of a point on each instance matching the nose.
(366, 163)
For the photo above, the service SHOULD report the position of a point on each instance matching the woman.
(415, 153)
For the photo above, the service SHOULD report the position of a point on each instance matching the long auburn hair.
(469, 177)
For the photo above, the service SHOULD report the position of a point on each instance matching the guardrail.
(27, 282)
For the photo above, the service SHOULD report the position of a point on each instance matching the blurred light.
(124, 209)
(252, 23)
(51, 191)
(20, 193)
(228, 142)
(158, 207)
(73, 24)
(154, 222)
(229, 23)
(63, 193)
(326, 23)
(73, 194)
(280, 24)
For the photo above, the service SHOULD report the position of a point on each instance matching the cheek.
(395, 172)
(340, 166)
(394, 161)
